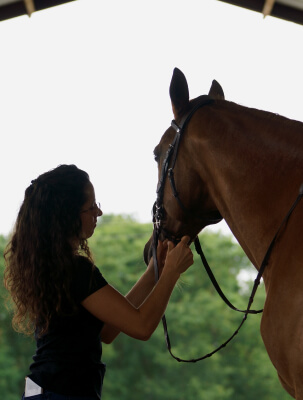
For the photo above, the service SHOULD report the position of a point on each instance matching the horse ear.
(216, 91)
(178, 92)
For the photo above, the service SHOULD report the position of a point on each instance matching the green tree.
(198, 322)
(16, 350)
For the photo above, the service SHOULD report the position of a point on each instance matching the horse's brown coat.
(248, 165)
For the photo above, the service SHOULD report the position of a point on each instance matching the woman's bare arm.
(139, 291)
(140, 320)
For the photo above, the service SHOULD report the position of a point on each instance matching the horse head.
(184, 203)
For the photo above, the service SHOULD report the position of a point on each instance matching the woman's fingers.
(185, 240)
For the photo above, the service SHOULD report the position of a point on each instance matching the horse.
(245, 166)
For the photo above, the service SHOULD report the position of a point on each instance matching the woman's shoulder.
(85, 268)
(84, 262)
(88, 277)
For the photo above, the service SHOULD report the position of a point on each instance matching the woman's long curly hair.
(41, 254)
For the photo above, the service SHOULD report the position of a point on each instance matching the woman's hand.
(179, 258)
(140, 312)
(161, 256)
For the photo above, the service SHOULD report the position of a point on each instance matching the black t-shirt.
(68, 356)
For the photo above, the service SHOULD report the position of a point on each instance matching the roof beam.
(279, 10)
(16, 8)
(268, 6)
(29, 6)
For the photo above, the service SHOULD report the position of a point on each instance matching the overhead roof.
(290, 10)
(15, 8)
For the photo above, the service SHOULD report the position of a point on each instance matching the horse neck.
(248, 159)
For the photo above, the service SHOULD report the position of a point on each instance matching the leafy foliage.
(198, 321)
(15, 349)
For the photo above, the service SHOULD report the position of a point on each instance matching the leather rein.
(158, 215)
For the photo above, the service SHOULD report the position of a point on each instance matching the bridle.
(167, 170)
(168, 166)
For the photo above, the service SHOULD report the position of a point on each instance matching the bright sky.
(87, 83)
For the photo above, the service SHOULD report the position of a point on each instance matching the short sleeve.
(88, 279)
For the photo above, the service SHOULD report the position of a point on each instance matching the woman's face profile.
(89, 212)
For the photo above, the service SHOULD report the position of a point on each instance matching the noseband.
(158, 216)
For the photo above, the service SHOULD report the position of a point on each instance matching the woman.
(62, 296)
